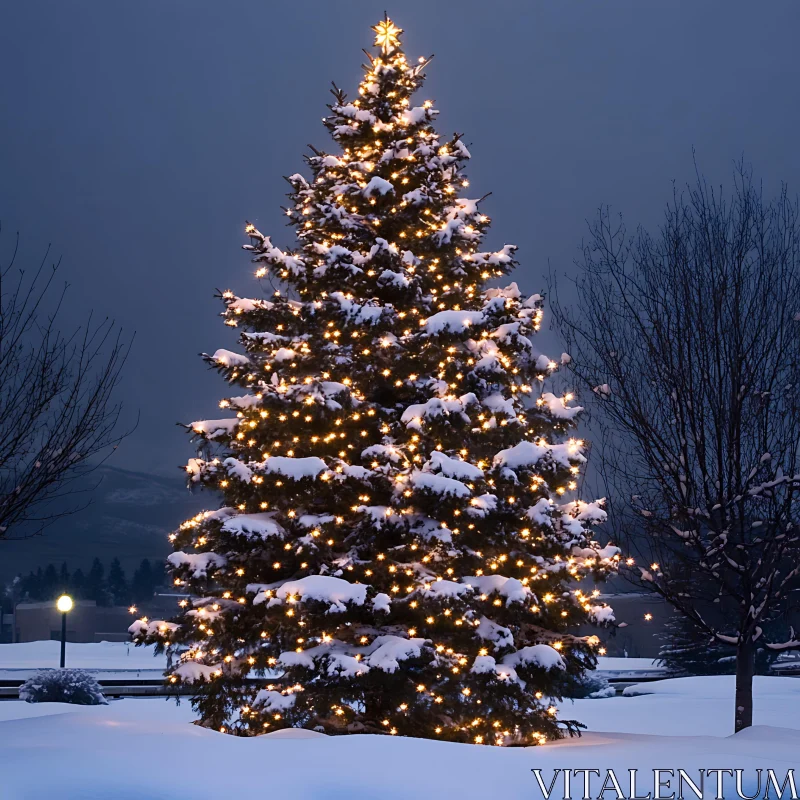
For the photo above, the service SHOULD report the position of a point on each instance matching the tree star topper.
(387, 35)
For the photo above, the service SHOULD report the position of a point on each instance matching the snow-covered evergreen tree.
(400, 548)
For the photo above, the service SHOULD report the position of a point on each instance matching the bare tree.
(58, 419)
(688, 343)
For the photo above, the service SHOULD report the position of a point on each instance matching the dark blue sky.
(137, 137)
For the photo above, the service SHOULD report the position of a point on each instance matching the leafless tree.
(688, 344)
(58, 417)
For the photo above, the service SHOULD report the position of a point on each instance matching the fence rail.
(149, 687)
(154, 686)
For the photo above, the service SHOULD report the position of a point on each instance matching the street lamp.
(64, 604)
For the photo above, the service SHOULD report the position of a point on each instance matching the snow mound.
(438, 484)
(510, 588)
(295, 468)
(558, 406)
(527, 455)
(452, 321)
(391, 650)
(295, 733)
(253, 525)
(215, 428)
(197, 563)
(326, 588)
(453, 467)
(228, 358)
(539, 655)
(53, 750)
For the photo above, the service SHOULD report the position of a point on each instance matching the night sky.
(137, 137)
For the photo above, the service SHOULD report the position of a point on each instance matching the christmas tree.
(400, 549)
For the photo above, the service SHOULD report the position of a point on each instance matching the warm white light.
(64, 603)
(386, 35)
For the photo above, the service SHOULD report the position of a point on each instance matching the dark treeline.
(107, 587)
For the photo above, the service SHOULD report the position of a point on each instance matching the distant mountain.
(130, 516)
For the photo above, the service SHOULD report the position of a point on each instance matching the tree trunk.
(745, 664)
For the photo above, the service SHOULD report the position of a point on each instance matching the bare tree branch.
(58, 419)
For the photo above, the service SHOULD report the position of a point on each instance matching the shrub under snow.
(589, 685)
(62, 686)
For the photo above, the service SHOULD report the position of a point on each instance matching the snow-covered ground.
(146, 748)
(701, 706)
(98, 655)
(107, 659)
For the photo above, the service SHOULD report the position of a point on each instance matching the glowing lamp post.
(64, 604)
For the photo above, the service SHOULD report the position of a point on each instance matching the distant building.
(87, 622)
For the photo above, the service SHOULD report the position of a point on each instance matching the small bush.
(589, 684)
(62, 686)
